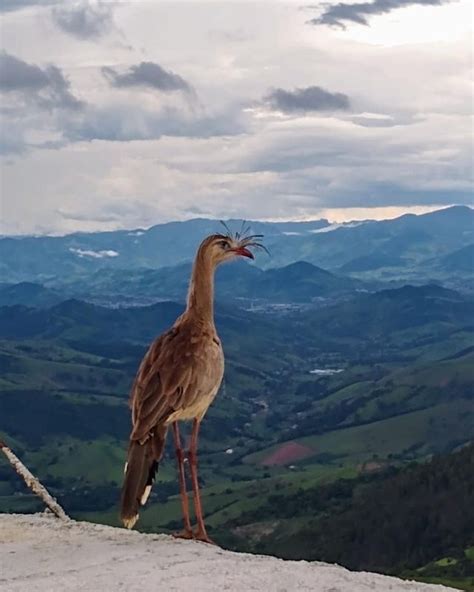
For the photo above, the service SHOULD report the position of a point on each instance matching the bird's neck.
(201, 290)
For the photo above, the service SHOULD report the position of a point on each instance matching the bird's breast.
(208, 371)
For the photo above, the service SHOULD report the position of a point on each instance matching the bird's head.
(225, 247)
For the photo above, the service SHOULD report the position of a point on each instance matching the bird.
(177, 380)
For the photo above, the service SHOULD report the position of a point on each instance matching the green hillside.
(309, 398)
(417, 521)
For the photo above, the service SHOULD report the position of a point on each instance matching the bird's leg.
(187, 533)
(201, 534)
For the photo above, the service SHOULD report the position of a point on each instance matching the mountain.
(375, 316)
(388, 315)
(297, 282)
(44, 258)
(373, 261)
(74, 320)
(300, 281)
(461, 260)
(29, 294)
(411, 237)
(384, 250)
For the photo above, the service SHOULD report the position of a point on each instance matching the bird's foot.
(184, 534)
(201, 535)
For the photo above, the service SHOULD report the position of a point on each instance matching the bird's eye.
(224, 244)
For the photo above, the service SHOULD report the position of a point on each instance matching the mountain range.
(296, 283)
(433, 246)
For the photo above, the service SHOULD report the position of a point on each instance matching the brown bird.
(177, 380)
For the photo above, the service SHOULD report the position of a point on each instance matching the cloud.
(302, 100)
(13, 5)
(34, 99)
(94, 254)
(338, 15)
(85, 20)
(47, 88)
(368, 119)
(16, 75)
(126, 122)
(290, 169)
(148, 75)
(164, 155)
(42, 112)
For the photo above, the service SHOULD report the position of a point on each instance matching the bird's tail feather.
(140, 470)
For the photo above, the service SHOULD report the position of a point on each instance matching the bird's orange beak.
(243, 252)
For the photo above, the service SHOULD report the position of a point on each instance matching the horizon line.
(403, 211)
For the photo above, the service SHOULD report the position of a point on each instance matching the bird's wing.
(159, 386)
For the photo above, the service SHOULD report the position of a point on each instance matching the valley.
(337, 381)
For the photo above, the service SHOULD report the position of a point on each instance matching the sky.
(128, 114)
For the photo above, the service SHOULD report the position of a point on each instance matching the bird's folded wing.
(159, 386)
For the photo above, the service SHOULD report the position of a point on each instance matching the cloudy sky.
(126, 114)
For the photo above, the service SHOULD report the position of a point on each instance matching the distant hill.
(409, 238)
(44, 258)
(402, 309)
(297, 282)
(371, 262)
(366, 316)
(300, 281)
(29, 294)
(74, 319)
(461, 260)
(100, 329)
(402, 246)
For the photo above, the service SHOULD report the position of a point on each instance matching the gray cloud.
(312, 98)
(84, 20)
(338, 15)
(384, 150)
(17, 75)
(40, 98)
(47, 88)
(148, 75)
(33, 98)
(13, 5)
(121, 123)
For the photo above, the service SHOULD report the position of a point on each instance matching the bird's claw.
(184, 534)
(195, 536)
(203, 537)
